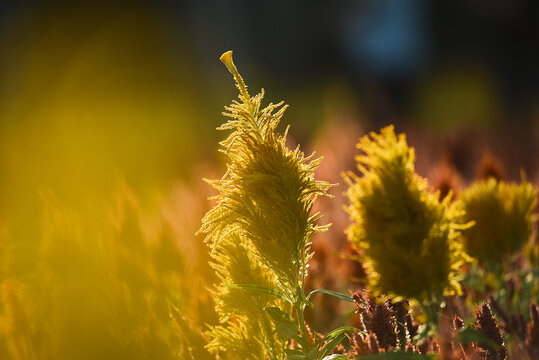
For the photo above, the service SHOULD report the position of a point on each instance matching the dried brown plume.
(487, 324)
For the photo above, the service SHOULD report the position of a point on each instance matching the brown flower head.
(487, 324)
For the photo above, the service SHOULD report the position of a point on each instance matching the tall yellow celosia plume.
(503, 216)
(268, 190)
(261, 227)
(408, 237)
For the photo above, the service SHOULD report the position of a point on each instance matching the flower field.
(274, 252)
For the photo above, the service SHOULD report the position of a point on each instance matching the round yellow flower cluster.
(503, 216)
(409, 238)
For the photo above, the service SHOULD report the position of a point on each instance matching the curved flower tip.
(226, 58)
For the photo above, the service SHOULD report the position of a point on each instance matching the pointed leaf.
(336, 357)
(331, 345)
(334, 338)
(333, 293)
(343, 329)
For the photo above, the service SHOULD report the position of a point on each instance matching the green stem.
(302, 326)
(432, 311)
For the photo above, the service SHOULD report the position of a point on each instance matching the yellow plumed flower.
(503, 216)
(268, 190)
(260, 229)
(408, 237)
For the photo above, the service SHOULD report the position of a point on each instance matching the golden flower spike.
(260, 230)
(503, 216)
(408, 237)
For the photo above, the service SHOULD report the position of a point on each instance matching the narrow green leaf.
(336, 332)
(331, 292)
(332, 344)
(334, 338)
(259, 289)
(336, 357)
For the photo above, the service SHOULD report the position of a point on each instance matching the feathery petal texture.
(408, 237)
(503, 216)
(268, 190)
(261, 226)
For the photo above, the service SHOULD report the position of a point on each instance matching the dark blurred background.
(91, 90)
